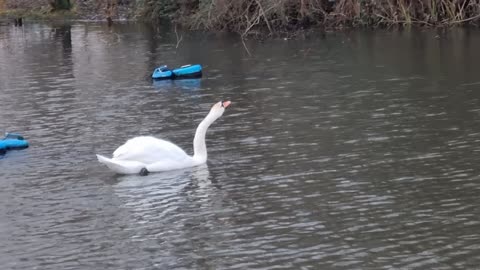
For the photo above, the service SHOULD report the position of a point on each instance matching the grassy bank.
(282, 16)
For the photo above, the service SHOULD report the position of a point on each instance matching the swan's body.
(156, 155)
(150, 153)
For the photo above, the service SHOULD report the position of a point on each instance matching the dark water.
(349, 151)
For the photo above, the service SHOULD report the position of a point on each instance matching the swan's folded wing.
(149, 150)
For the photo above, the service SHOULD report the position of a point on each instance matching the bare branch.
(264, 16)
(245, 46)
(178, 40)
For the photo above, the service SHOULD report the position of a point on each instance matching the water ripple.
(321, 162)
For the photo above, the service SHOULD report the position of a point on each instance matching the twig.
(392, 21)
(210, 10)
(467, 19)
(264, 16)
(178, 40)
(251, 24)
(306, 52)
(245, 46)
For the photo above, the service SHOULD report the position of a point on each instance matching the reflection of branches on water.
(245, 46)
(6, 46)
(305, 52)
(178, 40)
(109, 42)
(12, 34)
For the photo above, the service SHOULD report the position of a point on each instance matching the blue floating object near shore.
(12, 141)
(183, 72)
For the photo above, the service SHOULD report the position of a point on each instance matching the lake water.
(352, 150)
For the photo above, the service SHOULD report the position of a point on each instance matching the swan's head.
(218, 109)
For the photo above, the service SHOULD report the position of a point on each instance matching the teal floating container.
(12, 141)
(183, 72)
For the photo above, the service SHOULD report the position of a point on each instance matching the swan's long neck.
(199, 145)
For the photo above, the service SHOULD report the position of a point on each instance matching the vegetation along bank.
(250, 17)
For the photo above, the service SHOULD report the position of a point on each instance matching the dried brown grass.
(249, 17)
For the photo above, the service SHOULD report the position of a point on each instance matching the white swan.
(148, 154)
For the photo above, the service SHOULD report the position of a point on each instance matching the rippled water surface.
(346, 151)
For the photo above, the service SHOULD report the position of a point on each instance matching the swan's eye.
(221, 103)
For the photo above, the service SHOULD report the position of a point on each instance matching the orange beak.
(226, 103)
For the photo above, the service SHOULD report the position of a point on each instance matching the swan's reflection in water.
(172, 213)
(155, 195)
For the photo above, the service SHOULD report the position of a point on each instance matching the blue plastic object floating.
(12, 141)
(183, 72)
